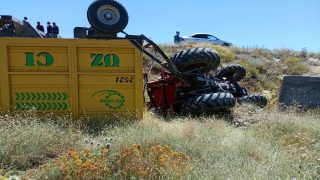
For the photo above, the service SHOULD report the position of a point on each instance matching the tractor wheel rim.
(108, 15)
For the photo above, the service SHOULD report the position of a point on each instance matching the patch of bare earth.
(314, 71)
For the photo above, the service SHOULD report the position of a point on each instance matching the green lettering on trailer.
(30, 61)
(49, 59)
(109, 60)
(96, 59)
(110, 98)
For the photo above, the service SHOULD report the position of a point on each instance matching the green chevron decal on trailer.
(41, 100)
(43, 96)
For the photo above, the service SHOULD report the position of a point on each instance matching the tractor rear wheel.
(107, 16)
(236, 71)
(256, 99)
(204, 58)
(207, 102)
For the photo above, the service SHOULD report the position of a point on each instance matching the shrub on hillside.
(294, 66)
(138, 162)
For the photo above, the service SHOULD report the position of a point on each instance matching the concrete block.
(302, 89)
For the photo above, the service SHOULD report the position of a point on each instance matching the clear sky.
(274, 24)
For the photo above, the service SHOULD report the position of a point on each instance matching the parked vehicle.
(204, 37)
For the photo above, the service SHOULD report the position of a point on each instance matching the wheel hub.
(108, 14)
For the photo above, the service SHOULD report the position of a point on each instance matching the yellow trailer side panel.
(110, 97)
(106, 59)
(53, 59)
(86, 77)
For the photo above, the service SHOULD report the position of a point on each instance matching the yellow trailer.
(87, 77)
(97, 73)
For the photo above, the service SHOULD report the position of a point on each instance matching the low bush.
(138, 162)
(294, 66)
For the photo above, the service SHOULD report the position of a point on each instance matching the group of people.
(51, 29)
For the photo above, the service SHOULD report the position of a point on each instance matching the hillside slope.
(265, 68)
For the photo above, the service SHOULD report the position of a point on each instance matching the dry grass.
(250, 144)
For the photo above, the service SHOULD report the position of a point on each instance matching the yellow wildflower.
(106, 150)
(143, 174)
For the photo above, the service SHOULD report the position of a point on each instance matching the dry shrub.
(295, 66)
(140, 162)
(226, 53)
(284, 52)
(261, 51)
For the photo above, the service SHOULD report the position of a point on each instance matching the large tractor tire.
(107, 16)
(256, 99)
(236, 71)
(204, 58)
(207, 102)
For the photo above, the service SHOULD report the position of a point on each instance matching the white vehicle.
(204, 37)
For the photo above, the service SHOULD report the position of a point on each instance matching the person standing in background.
(40, 27)
(177, 37)
(55, 28)
(49, 28)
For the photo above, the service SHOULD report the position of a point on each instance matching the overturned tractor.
(198, 92)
